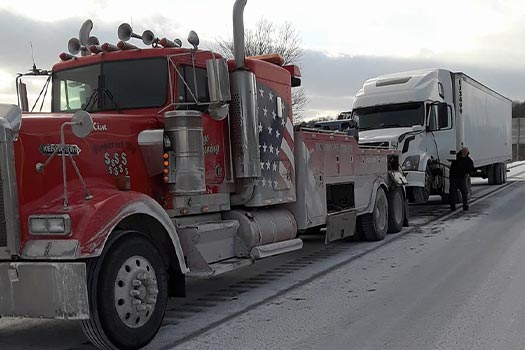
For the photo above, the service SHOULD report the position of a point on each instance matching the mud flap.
(398, 177)
(56, 290)
(340, 225)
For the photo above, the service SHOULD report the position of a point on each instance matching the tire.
(499, 173)
(130, 263)
(396, 210)
(491, 174)
(420, 195)
(373, 226)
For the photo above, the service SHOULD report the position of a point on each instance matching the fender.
(378, 182)
(93, 221)
(114, 212)
(424, 161)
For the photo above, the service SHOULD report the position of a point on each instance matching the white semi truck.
(429, 115)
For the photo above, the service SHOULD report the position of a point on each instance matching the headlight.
(50, 225)
(411, 163)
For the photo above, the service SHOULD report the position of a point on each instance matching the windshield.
(390, 116)
(111, 86)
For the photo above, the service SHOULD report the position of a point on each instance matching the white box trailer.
(484, 120)
(429, 115)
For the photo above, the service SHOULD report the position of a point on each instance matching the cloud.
(331, 81)
(49, 39)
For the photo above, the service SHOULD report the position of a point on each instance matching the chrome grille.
(383, 144)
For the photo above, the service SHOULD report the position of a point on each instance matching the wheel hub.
(136, 291)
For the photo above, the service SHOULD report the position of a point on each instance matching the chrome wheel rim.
(136, 291)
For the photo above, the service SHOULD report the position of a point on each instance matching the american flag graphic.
(276, 143)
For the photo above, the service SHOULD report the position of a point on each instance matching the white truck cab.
(429, 115)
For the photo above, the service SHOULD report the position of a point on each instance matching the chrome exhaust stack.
(243, 111)
(239, 52)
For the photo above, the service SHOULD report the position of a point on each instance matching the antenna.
(32, 55)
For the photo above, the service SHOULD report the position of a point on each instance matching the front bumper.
(415, 178)
(56, 290)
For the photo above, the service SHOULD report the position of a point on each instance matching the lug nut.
(136, 283)
(134, 293)
(154, 291)
(143, 276)
(136, 302)
(152, 300)
(141, 308)
(152, 282)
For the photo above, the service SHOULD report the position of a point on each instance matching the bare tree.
(267, 38)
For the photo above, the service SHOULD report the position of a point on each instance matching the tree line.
(518, 109)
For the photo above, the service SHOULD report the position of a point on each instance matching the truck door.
(441, 125)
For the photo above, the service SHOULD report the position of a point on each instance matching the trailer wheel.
(374, 225)
(128, 293)
(499, 173)
(396, 210)
(491, 171)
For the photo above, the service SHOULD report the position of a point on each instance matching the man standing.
(459, 169)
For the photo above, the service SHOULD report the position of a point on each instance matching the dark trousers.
(455, 185)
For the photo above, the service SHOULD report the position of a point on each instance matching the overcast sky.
(345, 42)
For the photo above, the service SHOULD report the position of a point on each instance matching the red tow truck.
(160, 162)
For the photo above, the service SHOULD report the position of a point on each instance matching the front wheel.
(420, 195)
(128, 293)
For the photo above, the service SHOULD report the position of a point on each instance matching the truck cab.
(412, 112)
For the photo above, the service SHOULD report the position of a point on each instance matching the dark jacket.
(461, 166)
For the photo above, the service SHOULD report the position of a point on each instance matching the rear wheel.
(396, 210)
(128, 293)
(499, 173)
(491, 174)
(373, 226)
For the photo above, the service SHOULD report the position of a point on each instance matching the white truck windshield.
(390, 116)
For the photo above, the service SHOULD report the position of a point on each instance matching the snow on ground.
(453, 284)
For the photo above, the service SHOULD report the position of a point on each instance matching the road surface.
(450, 282)
(455, 284)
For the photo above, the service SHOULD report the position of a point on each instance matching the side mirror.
(219, 87)
(82, 124)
